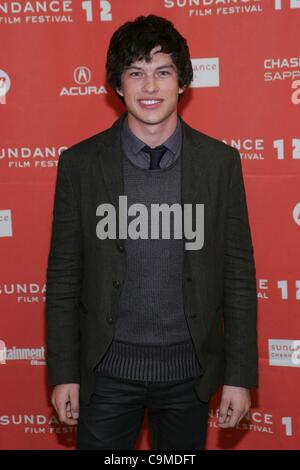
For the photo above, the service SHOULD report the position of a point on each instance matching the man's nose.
(150, 84)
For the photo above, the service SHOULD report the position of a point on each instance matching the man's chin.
(151, 118)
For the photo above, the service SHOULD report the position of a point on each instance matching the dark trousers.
(177, 419)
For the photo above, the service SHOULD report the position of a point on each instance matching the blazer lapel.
(194, 162)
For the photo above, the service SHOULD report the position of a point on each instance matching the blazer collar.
(194, 161)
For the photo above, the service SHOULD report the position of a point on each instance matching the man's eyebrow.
(167, 66)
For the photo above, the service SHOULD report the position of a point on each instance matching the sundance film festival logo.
(202, 8)
(4, 86)
(254, 420)
(288, 288)
(31, 157)
(138, 228)
(36, 12)
(249, 148)
(54, 11)
(24, 292)
(5, 223)
(284, 352)
(82, 77)
(205, 73)
(278, 148)
(36, 423)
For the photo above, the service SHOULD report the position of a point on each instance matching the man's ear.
(120, 92)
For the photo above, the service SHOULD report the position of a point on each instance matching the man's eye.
(162, 72)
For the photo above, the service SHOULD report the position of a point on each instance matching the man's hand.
(235, 403)
(65, 399)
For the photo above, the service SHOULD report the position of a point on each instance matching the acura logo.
(82, 75)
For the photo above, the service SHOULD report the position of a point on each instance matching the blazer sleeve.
(63, 282)
(240, 294)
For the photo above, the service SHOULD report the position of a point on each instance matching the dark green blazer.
(85, 275)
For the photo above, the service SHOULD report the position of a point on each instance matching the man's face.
(150, 90)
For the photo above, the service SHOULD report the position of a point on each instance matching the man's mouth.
(150, 104)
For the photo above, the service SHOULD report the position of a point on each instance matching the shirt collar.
(135, 144)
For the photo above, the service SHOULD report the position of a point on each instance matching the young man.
(142, 321)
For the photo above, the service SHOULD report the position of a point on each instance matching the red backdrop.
(53, 93)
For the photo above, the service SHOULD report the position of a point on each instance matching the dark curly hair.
(134, 40)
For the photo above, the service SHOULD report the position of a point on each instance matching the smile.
(150, 103)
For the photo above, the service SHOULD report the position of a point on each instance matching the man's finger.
(68, 410)
(224, 406)
(74, 404)
(233, 420)
(62, 413)
(229, 414)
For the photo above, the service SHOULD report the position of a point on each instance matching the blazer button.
(189, 279)
(121, 248)
(116, 284)
(193, 315)
(109, 320)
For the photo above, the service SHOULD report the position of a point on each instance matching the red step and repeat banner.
(246, 92)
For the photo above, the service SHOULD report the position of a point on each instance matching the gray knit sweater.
(152, 340)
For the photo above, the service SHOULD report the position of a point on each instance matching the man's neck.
(153, 134)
